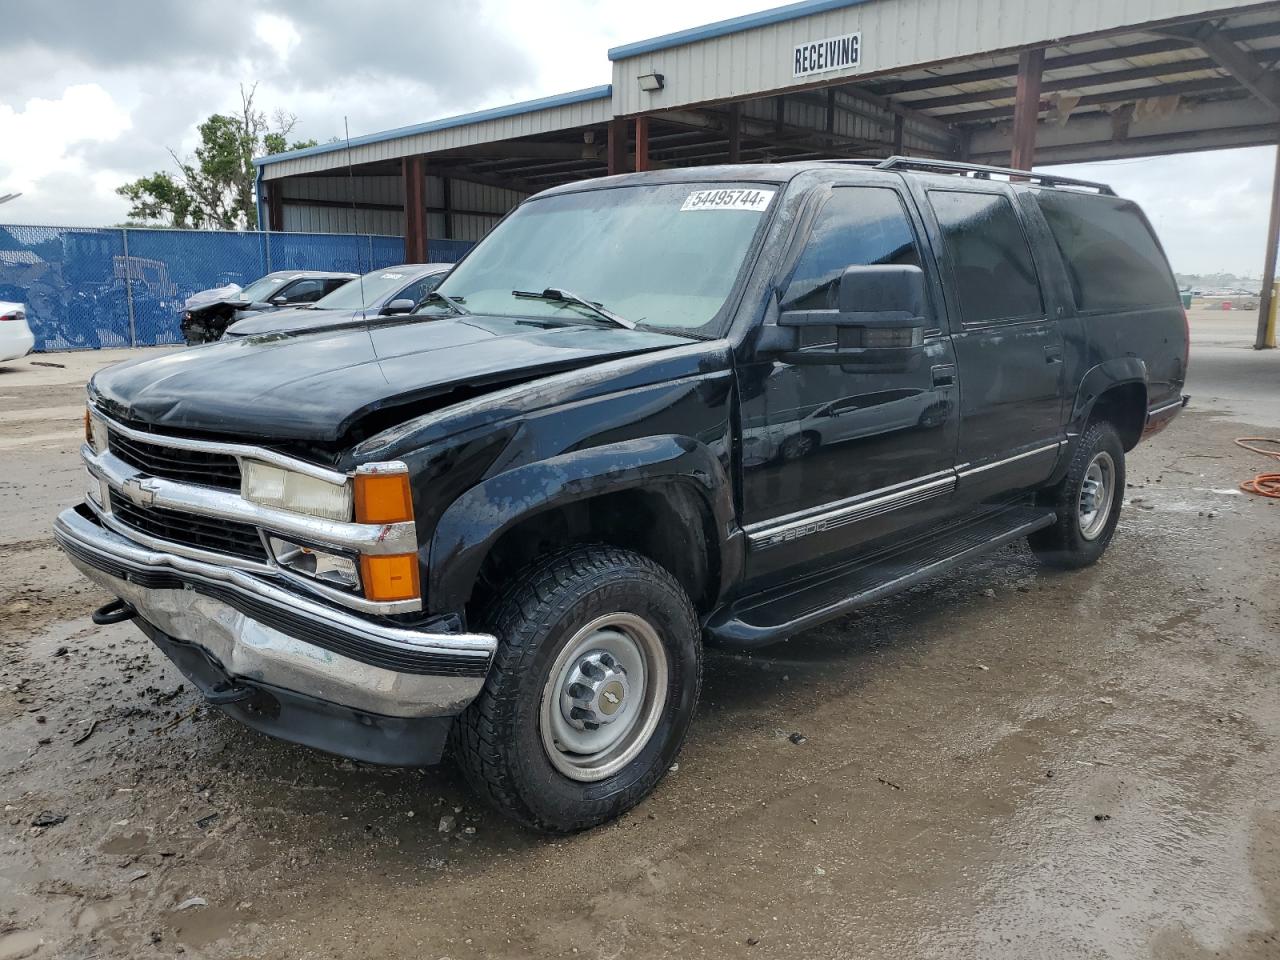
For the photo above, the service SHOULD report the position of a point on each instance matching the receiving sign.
(823, 56)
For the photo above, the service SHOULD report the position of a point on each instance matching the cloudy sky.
(93, 92)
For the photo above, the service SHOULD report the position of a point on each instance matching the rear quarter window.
(1112, 257)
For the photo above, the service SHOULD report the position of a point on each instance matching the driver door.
(837, 458)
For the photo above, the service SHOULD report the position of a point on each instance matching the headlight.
(287, 490)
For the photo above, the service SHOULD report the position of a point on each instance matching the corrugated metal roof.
(755, 55)
(922, 64)
(480, 116)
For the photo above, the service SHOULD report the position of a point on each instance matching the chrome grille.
(174, 463)
(206, 533)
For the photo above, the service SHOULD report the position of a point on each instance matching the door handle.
(944, 375)
(1053, 354)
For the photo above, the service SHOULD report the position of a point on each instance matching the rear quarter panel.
(1156, 336)
(1150, 338)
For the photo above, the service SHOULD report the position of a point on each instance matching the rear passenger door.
(1006, 335)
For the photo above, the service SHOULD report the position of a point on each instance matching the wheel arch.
(644, 495)
(1115, 391)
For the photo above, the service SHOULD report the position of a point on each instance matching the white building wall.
(485, 206)
(895, 34)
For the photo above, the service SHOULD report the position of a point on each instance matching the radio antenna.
(355, 216)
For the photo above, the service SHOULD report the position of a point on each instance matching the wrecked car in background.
(379, 294)
(207, 314)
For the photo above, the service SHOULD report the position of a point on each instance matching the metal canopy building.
(989, 81)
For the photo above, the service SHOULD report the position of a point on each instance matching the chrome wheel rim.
(1097, 493)
(603, 697)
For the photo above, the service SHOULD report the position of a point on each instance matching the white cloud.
(38, 137)
(276, 32)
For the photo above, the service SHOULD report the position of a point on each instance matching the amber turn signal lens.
(383, 498)
(88, 427)
(390, 577)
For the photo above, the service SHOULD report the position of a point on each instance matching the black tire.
(498, 740)
(1065, 544)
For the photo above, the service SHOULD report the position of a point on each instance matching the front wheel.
(591, 692)
(1087, 501)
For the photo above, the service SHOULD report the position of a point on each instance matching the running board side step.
(782, 611)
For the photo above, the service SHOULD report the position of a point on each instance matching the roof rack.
(983, 172)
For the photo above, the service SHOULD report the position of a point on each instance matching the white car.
(16, 338)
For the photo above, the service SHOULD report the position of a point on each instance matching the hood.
(316, 387)
(203, 298)
(297, 320)
(216, 305)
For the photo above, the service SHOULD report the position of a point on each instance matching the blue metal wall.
(91, 287)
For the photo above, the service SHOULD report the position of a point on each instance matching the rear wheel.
(591, 692)
(1087, 501)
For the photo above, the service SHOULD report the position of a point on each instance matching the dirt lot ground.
(1009, 763)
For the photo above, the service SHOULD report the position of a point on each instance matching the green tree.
(214, 189)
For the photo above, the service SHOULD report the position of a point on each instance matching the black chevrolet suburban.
(712, 405)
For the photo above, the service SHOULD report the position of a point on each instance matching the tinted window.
(989, 257)
(858, 226)
(1111, 255)
(305, 291)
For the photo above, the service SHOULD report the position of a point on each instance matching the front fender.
(474, 522)
(1097, 381)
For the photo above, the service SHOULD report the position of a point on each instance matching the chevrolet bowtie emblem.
(141, 490)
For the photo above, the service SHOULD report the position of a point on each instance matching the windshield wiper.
(448, 301)
(556, 295)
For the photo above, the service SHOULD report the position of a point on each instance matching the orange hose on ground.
(1264, 484)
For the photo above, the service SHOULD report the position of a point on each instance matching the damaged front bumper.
(287, 664)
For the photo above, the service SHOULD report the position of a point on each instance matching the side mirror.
(403, 305)
(878, 321)
(280, 300)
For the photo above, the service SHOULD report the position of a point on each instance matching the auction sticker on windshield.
(735, 199)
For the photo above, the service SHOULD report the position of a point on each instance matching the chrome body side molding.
(803, 523)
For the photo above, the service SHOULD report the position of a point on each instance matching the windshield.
(662, 256)
(260, 289)
(377, 285)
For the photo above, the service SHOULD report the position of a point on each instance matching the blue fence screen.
(114, 287)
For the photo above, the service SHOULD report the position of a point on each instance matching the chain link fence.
(90, 287)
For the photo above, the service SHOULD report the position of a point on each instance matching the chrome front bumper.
(125, 481)
(263, 633)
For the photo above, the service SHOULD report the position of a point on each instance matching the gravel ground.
(1007, 763)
